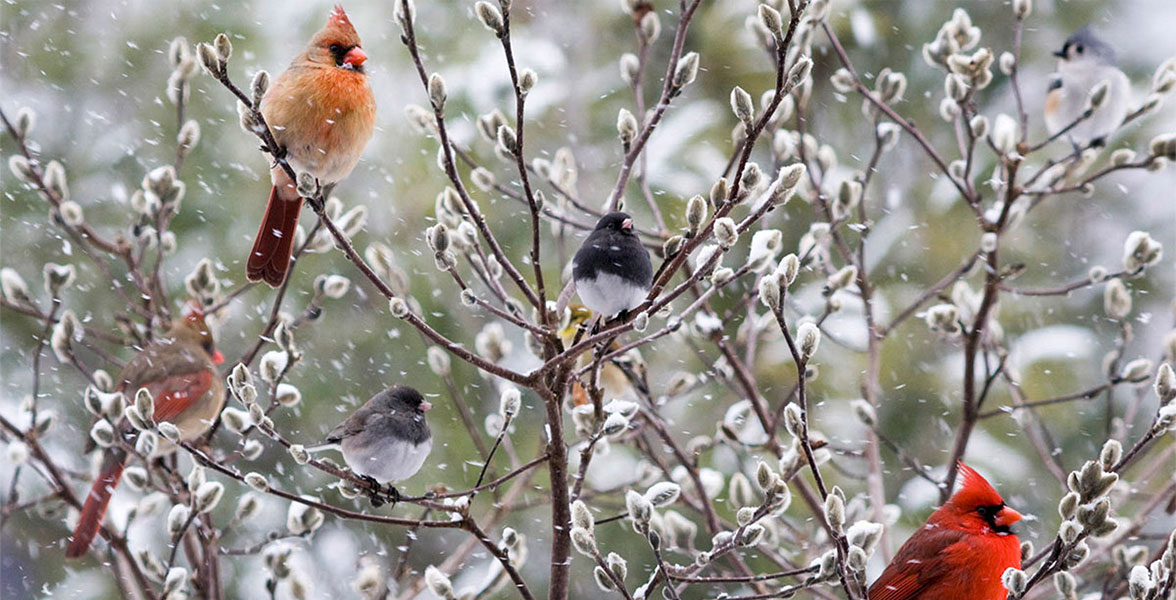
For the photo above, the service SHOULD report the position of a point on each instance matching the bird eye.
(336, 48)
(208, 347)
(1080, 49)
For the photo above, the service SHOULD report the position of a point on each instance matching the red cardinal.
(960, 554)
(179, 370)
(322, 112)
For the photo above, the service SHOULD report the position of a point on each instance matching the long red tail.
(270, 257)
(95, 507)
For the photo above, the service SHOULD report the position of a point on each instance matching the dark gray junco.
(1085, 62)
(386, 439)
(612, 271)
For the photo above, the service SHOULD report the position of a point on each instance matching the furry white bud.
(835, 512)
(490, 17)
(1137, 371)
(742, 105)
(176, 518)
(1165, 385)
(726, 232)
(1004, 133)
(663, 493)
(398, 307)
(640, 510)
(13, 286)
(1116, 299)
(1098, 95)
(809, 337)
(686, 70)
(626, 127)
(437, 91)
(772, 21)
(257, 481)
(208, 495)
(438, 583)
(58, 278)
(299, 453)
(1014, 581)
(1141, 251)
(1022, 8)
(509, 401)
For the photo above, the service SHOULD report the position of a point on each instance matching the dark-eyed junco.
(1084, 62)
(612, 271)
(386, 439)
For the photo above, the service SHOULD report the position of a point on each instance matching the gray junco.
(612, 271)
(1083, 63)
(386, 439)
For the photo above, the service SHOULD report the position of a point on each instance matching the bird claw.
(374, 490)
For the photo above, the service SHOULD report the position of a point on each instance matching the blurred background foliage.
(95, 73)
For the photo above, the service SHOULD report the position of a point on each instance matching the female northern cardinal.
(179, 370)
(960, 554)
(322, 112)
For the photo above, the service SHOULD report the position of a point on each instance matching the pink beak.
(355, 57)
(627, 225)
(425, 406)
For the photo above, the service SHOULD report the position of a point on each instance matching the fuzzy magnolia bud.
(437, 91)
(1014, 581)
(626, 127)
(1116, 299)
(1140, 251)
(640, 510)
(208, 495)
(438, 583)
(772, 21)
(1004, 133)
(786, 182)
(584, 541)
(742, 105)
(726, 233)
(809, 337)
(490, 17)
(1165, 383)
(686, 70)
(835, 512)
(1137, 371)
(257, 481)
(663, 493)
(509, 402)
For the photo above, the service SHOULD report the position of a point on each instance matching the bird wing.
(173, 395)
(918, 565)
(354, 424)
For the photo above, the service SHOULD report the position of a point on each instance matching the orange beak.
(355, 57)
(1006, 517)
(217, 357)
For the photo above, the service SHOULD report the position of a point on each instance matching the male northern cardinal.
(960, 553)
(321, 111)
(386, 439)
(612, 271)
(179, 369)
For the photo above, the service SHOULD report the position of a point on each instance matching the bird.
(386, 440)
(1084, 62)
(322, 113)
(960, 553)
(611, 271)
(619, 378)
(179, 369)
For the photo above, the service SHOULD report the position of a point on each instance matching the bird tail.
(323, 446)
(95, 507)
(270, 257)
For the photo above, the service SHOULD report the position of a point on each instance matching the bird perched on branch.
(612, 272)
(179, 370)
(960, 553)
(385, 440)
(1084, 64)
(322, 112)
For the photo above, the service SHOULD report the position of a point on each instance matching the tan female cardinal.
(179, 369)
(322, 112)
(960, 553)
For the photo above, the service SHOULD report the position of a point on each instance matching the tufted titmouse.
(1084, 62)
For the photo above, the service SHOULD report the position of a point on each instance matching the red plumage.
(960, 553)
(322, 112)
(179, 370)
